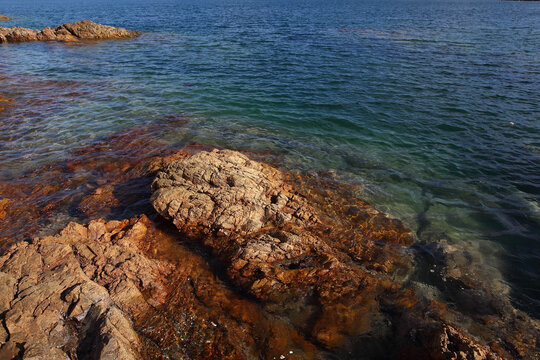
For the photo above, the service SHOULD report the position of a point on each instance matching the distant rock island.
(4, 18)
(76, 31)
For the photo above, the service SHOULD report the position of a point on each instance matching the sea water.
(431, 107)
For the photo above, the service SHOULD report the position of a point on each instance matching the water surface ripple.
(432, 107)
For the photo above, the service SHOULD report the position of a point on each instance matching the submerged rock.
(77, 31)
(267, 265)
(4, 18)
(328, 267)
(70, 295)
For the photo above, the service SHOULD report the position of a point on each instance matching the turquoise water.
(433, 107)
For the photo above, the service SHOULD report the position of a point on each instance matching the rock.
(47, 34)
(3, 207)
(77, 31)
(73, 293)
(18, 34)
(298, 257)
(88, 30)
(320, 275)
(258, 224)
(223, 192)
(444, 342)
(4, 18)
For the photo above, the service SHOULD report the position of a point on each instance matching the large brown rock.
(328, 283)
(4, 18)
(88, 30)
(77, 31)
(285, 250)
(17, 34)
(254, 219)
(225, 193)
(71, 295)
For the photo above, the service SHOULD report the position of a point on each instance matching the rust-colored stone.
(322, 273)
(305, 257)
(72, 293)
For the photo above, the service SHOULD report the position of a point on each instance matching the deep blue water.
(433, 107)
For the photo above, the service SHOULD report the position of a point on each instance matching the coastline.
(368, 248)
(193, 258)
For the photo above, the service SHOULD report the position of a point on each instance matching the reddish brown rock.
(47, 34)
(77, 31)
(3, 207)
(310, 285)
(88, 30)
(17, 34)
(73, 293)
(4, 18)
(301, 262)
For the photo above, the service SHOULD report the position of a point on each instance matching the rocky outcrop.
(299, 259)
(224, 193)
(435, 341)
(77, 31)
(71, 295)
(267, 264)
(262, 230)
(4, 18)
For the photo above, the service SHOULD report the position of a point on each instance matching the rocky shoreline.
(84, 30)
(257, 263)
(203, 253)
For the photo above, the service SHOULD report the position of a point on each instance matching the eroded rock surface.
(72, 295)
(299, 270)
(328, 267)
(76, 31)
(225, 193)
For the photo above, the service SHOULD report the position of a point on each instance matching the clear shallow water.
(411, 99)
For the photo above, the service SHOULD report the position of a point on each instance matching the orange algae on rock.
(207, 318)
(266, 263)
(309, 258)
(107, 178)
